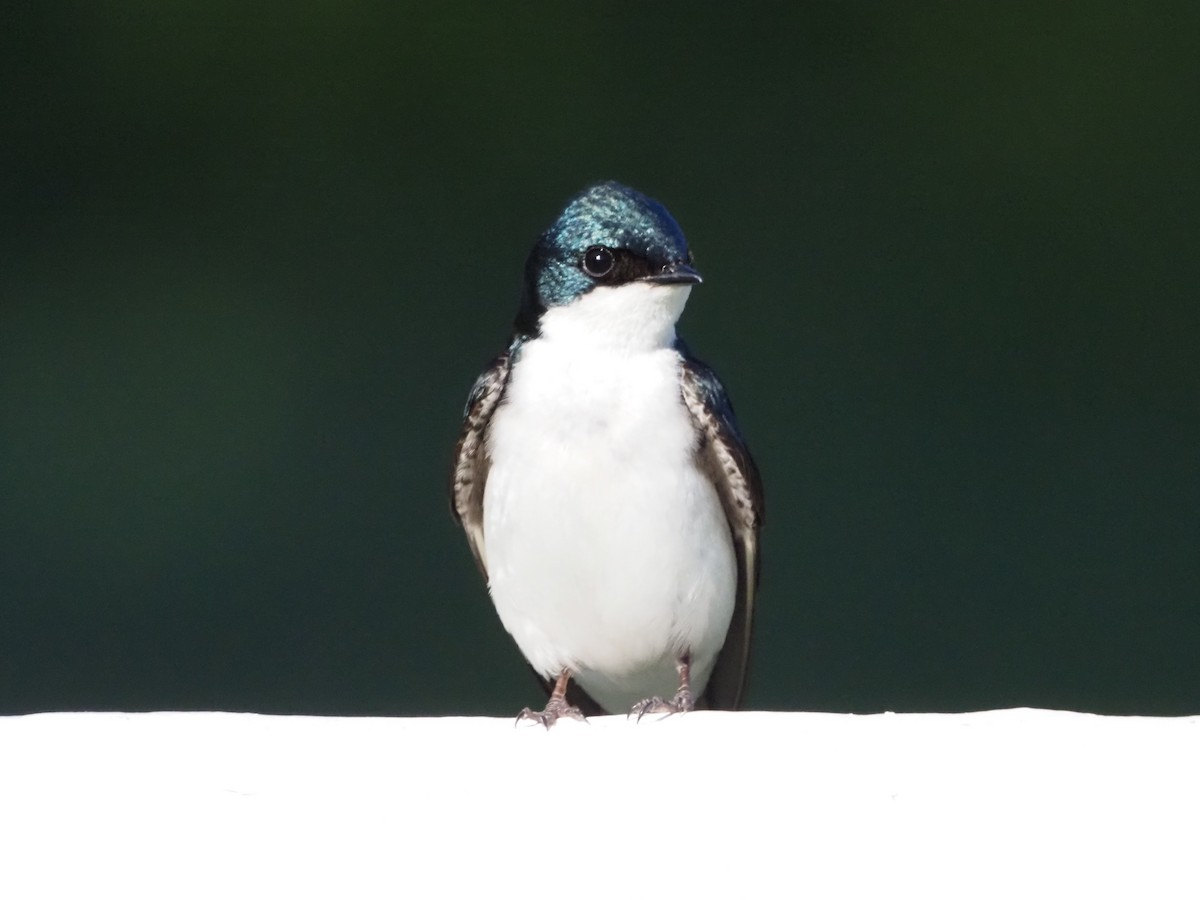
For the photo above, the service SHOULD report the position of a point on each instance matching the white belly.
(608, 552)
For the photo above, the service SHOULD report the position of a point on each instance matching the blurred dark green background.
(252, 261)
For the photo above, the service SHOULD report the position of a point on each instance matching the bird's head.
(608, 239)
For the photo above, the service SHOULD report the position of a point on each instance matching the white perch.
(1014, 803)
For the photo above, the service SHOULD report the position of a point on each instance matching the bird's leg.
(556, 707)
(683, 701)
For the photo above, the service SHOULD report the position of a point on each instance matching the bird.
(601, 478)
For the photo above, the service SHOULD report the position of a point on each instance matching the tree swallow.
(601, 479)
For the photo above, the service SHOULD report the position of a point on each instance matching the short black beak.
(675, 273)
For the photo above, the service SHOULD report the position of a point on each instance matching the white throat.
(634, 317)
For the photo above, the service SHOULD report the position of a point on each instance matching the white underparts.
(608, 550)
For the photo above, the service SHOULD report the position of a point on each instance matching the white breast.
(608, 551)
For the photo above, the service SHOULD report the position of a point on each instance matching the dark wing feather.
(471, 460)
(724, 457)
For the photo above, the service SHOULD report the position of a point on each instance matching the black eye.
(597, 261)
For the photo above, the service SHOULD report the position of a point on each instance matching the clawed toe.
(680, 703)
(556, 708)
(554, 711)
